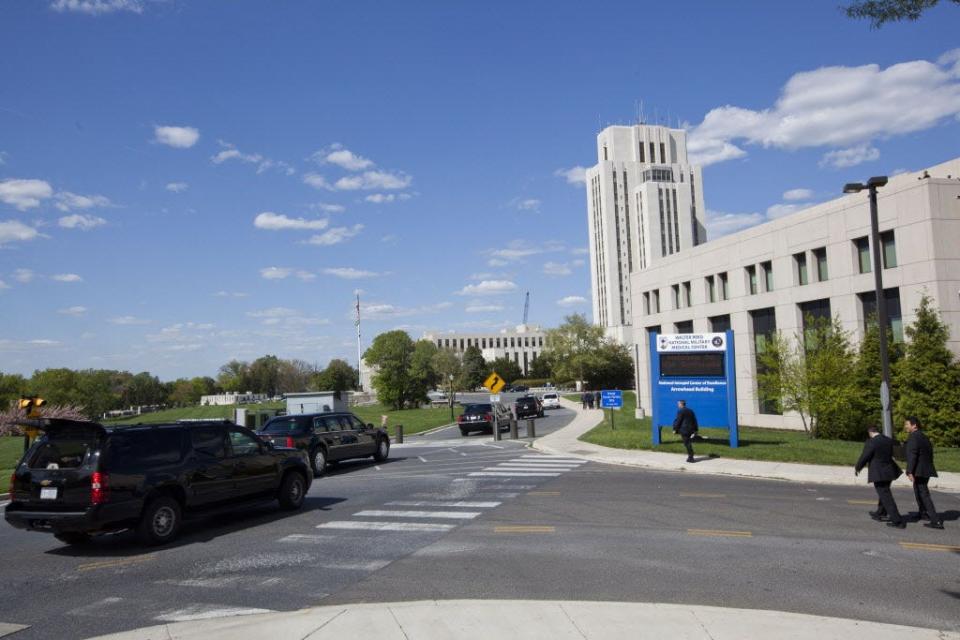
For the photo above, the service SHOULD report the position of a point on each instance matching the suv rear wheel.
(383, 450)
(160, 522)
(319, 461)
(293, 489)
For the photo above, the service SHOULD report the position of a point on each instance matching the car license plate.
(48, 494)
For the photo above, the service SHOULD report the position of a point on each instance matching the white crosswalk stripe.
(549, 457)
(372, 525)
(450, 515)
(548, 467)
(511, 474)
(468, 505)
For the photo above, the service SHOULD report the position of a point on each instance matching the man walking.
(686, 425)
(920, 469)
(596, 399)
(882, 470)
(583, 399)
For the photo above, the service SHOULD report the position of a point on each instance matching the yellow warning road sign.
(494, 382)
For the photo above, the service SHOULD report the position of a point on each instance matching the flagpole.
(359, 348)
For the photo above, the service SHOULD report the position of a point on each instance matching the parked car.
(528, 407)
(82, 478)
(480, 417)
(327, 437)
(551, 400)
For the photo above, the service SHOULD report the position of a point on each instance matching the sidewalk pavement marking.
(487, 444)
(116, 562)
(703, 495)
(302, 537)
(524, 529)
(207, 612)
(9, 628)
(870, 502)
(421, 459)
(543, 493)
(461, 503)
(926, 546)
(720, 533)
(450, 515)
(385, 526)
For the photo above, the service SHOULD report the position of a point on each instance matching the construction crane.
(526, 308)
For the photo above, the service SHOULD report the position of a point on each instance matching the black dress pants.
(886, 499)
(924, 501)
(687, 440)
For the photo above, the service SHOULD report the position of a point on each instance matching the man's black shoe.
(897, 525)
(876, 515)
(883, 518)
(923, 515)
(933, 525)
(690, 459)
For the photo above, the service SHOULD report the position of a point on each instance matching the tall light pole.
(872, 185)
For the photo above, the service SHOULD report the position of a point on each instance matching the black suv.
(327, 437)
(528, 407)
(481, 416)
(82, 478)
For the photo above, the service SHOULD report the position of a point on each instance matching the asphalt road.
(552, 420)
(474, 518)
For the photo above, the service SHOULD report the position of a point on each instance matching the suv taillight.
(13, 481)
(460, 418)
(290, 443)
(487, 417)
(99, 488)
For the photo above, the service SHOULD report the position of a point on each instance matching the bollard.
(496, 429)
(531, 429)
(513, 428)
(399, 437)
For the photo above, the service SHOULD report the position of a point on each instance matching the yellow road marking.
(925, 546)
(524, 529)
(870, 502)
(116, 562)
(720, 533)
(703, 495)
(543, 493)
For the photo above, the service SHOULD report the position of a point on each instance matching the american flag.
(357, 323)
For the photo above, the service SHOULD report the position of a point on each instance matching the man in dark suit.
(686, 425)
(882, 470)
(920, 469)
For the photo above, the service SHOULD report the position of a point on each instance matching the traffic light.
(32, 406)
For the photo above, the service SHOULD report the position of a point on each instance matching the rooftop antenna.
(642, 117)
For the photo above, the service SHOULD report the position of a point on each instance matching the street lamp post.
(872, 185)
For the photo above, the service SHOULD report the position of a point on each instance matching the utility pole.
(359, 348)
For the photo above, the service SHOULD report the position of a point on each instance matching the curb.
(429, 431)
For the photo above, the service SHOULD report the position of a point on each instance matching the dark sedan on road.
(327, 437)
(481, 416)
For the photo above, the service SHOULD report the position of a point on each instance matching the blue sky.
(186, 182)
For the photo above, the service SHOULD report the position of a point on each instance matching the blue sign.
(700, 369)
(611, 399)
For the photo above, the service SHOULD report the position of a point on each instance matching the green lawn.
(11, 448)
(755, 443)
(413, 420)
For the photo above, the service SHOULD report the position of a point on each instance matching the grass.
(11, 448)
(775, 445)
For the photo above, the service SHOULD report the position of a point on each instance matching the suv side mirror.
(369, 425)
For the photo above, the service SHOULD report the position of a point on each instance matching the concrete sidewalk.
(566, 441)
(532, 620)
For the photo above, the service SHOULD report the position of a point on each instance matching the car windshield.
(285, 425)
(477, 408)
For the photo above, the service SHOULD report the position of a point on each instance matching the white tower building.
(644, 202)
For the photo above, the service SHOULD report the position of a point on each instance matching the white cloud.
(349, 273)
(274, 312)
(82, 222)
(336, 235)
(23, 276)
(177, 137)
(3, 157)
(851, 157)
(579, 262)
(317, 181)
(66, 277)
(73, 311)
(128, 320)
(275, 273)
(385, 311)
(488, 288)
(580, 251)
(557, 269)
(231, 294)
(279, 222)
(780, 210)
(16, 231)
(497, 262)
(229, 151)
(97, 7)
(24, 194)
(571, 301)
(483, 308)
(369, 180)
(381, 198)
(798, 194)
(840, 107)
(720, 223)
(177, 187)
(574, 175)
(328, 208)
(67, 201)
(526, 204)
(3, 285)
(342, 157)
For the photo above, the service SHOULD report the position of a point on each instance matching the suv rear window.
(549, 396)
(55, 452)
(286, 426)
(478, 408)
(526, 401)
(143, 449)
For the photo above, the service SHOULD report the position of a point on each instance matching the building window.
(656, 300)
(868, 302)
(687, 300)
(684, 327)
(646, 303)
(767, 275)
(752, 279)
(652, 153)
(513, 342)
(676, 296)
(711, 289)
(541, 341)
(764, 328)
(862, 246)
(719, 324)
(605, 152)
(813, 314)
(663, 153)
(724, 288)
(820, 258)
(641, 152)
(888, 247)
(498, 343)
(800, 259)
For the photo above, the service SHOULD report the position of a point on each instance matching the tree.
(422, 375)
(181, 393)
(880, 12)
(865, 403)
(142, 389)
(12, 387)
(451, 371)
(811, 375)
(928, 377)
(506, 368)
(611, 367)
(339, 376)
(265, 375)
(542, 367)
(293, 375)
(572, 345)
(235, 376)
(390, 354)
(474, 367)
